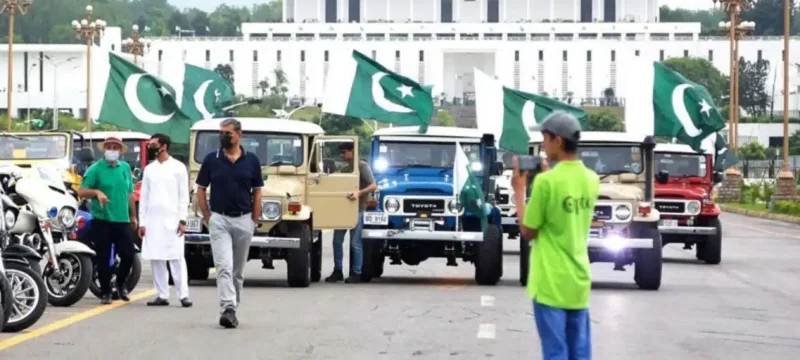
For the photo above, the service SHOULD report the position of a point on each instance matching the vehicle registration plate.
(194, 224)
(376, 219)
(669, 222)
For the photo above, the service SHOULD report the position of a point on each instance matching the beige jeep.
(299, 198)
(625, 225)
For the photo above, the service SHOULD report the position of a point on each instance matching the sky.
(210, 5)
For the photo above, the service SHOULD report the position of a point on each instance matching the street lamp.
(55, 84)
(136, 44)
(736, 31)
(785, 184)
(89, 29)
(12, 7)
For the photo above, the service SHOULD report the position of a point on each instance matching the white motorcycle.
(68, 271)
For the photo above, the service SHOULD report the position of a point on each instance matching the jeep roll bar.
(649, 144)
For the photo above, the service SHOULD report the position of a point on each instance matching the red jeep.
(689, 216)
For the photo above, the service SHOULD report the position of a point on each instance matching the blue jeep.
(415, 215)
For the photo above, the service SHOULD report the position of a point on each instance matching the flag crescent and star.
(528, 114)
(379, 96)
(199, 100)
(135, 105)
(681, 113)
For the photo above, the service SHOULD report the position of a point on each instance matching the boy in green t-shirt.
(558, 217)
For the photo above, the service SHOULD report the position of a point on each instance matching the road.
(748, 307)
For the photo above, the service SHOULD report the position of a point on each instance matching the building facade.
(574, 49)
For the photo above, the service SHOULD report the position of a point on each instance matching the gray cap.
(562, 124)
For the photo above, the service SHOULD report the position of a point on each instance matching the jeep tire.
(489, 257)
(316, 257)
(298, 261)
(712, 249)
(649, 262)
(524, 261)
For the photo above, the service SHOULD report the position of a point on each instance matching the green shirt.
(561, 209)
(114, 181)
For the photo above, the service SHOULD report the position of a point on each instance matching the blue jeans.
(355, 243)
(564, 334)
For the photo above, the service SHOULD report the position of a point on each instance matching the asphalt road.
(748, 307)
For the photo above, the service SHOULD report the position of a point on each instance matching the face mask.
(153, 152)
(226, 140)
(112, 155)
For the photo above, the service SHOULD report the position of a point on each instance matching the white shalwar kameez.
(163, 203)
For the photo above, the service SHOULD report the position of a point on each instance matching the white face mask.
(112, 155)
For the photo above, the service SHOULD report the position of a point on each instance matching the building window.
(397, 55)
(160, 52)
(374, 54)
(711, 55)
(636, 53)
(113, 47)
(661, 55)
(326, 55)
(208, 55)
(759, 55)
(421, 56)
(564, 55)
(255, 55)
(230, 55)
(686, 53)
(302, 55)
(279, 55)
(589, 56)
(613, 55)
(516, 55)
(541, 55)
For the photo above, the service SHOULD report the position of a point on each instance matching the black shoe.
(185, 302)
(354, 279)
(122, 292)
(336, 276)
(228, 319)
(158, 302)
(105, 299)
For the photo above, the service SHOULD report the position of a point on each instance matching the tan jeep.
(299, 200)
(625, 225)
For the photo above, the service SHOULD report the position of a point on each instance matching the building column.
(319, 11)
(528, 10)
(294, 11)
(364, 13)
(621, 9)
(411, 10)
(436, 5)
(482, 4)
(552, 10)
(458, 10)
(576, 15)
(505, 14)
(647, 11)
(388, 9)
(284, 7)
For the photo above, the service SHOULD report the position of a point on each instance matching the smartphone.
(529, 163)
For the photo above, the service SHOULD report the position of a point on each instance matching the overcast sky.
(210, 5)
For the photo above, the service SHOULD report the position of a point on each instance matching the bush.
(788, 208)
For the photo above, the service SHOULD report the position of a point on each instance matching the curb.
(763, 215)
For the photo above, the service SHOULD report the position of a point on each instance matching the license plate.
(376, 219)
(669, 222)
(194, 225)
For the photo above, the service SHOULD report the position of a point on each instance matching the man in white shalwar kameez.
(163, 208)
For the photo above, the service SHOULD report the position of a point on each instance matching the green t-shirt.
(114, 181)
(561, 209)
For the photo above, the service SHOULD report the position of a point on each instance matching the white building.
(768, 135)
(552, 46)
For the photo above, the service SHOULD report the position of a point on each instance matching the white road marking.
(486, 331)
(487, 300)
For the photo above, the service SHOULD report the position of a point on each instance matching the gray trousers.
(230, 245)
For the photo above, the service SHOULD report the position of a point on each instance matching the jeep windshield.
(612, 159)
(270, 148)
(681, 165)
(33, 147)
(402, 155)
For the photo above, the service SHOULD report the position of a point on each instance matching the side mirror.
(718, 177)
(662, 177)
(86, 155)
(498, 168)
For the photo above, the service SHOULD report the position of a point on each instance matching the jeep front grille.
(435, 206)
(671, 207)
(503, 199)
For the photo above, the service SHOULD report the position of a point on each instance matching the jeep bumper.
(619, 243)
(421, 235)
(258, 241)
(509, 221)
(687, 230)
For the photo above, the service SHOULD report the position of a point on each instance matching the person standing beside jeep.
(366, 185)
(557, 220)
(231, 217)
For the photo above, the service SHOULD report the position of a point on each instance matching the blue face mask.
(111, 155)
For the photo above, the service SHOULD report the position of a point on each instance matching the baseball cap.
(562, 124)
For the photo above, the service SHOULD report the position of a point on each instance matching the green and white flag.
(467, 187)
(508, 113)
(205, 93)
(723, 158)
(664, 103)
(359, 87)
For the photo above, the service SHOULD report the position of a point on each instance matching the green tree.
(753, 95)
(269, 12)
(445, 118)
(753, 151)
(225, 71)
(605, 120)
(794, 143)
(768, 16)
(702, 72)
(709, 19)
(347, 125)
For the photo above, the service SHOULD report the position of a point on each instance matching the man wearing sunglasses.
(231, 214)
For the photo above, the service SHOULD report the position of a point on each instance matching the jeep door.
(329, 180)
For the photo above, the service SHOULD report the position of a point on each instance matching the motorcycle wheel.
(28, 288)
(5, 300)
(133, 278)
(77, 272)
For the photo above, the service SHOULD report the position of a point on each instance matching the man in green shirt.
(109, 184)
(557, 220)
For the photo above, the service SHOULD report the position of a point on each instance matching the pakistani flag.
(359, 87)
(467, 187)
(672, 105)
(508, 113)
(723, 158)
(205, 93)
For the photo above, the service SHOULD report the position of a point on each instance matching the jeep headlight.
(66, 217)
(10, 219)
(453, 206)
(693, 207)
(270, 210)
(622, 212)
(391, 205)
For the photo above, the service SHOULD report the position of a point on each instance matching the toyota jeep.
(684, 183)
(415, 214)
(303, 193)
(624, 228)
